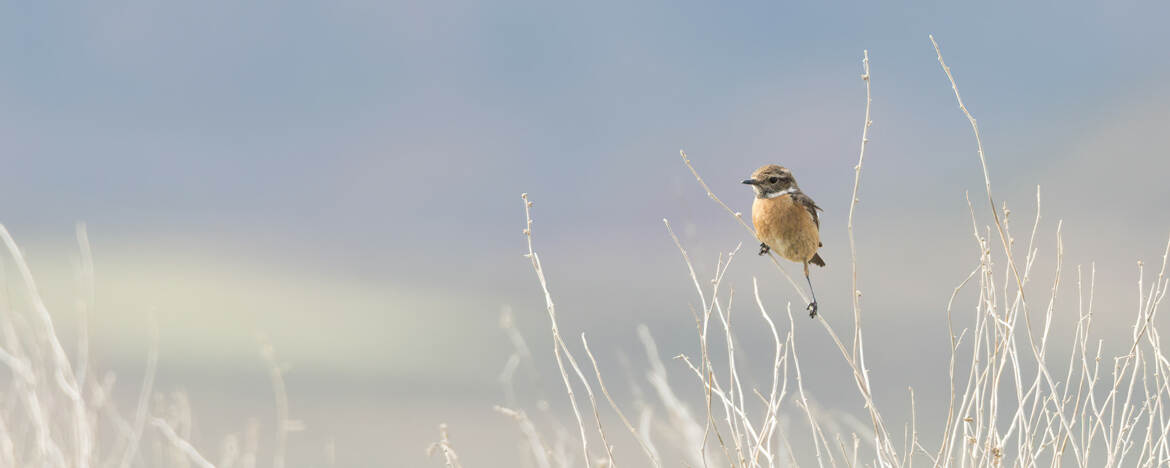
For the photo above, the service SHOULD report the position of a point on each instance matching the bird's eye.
(773, 180)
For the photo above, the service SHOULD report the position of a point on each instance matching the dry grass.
(55, 412)
(1014, 407)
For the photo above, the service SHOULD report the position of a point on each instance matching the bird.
(786, 220)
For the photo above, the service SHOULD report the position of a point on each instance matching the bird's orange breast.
(787, 227)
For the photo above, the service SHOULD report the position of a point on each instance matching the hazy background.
(344, 177)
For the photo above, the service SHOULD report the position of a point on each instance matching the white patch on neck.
(781, 193)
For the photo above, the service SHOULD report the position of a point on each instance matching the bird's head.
(772, 181)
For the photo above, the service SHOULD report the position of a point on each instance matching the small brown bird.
(786, 220)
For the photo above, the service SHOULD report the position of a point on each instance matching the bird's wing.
(807, 203)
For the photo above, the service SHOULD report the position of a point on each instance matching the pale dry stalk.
(558, 343)
(444, 446)
(179, 443)
(540, 450)
(644, 442)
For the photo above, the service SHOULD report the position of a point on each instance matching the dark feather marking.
(803, 200)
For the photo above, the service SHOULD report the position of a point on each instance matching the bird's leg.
(812, 306)
(764, 249)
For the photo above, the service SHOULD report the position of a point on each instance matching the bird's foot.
(812, 309)
(764, 249)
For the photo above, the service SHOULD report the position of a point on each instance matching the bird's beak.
(751, 181)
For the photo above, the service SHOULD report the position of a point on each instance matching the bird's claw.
(764, 249)
(812, 309)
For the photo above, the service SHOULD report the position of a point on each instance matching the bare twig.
(178, 442)
(143, 408)
(647, 446)
(444, 446)
(558, 343)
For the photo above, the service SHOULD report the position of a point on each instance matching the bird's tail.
(817, 260)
